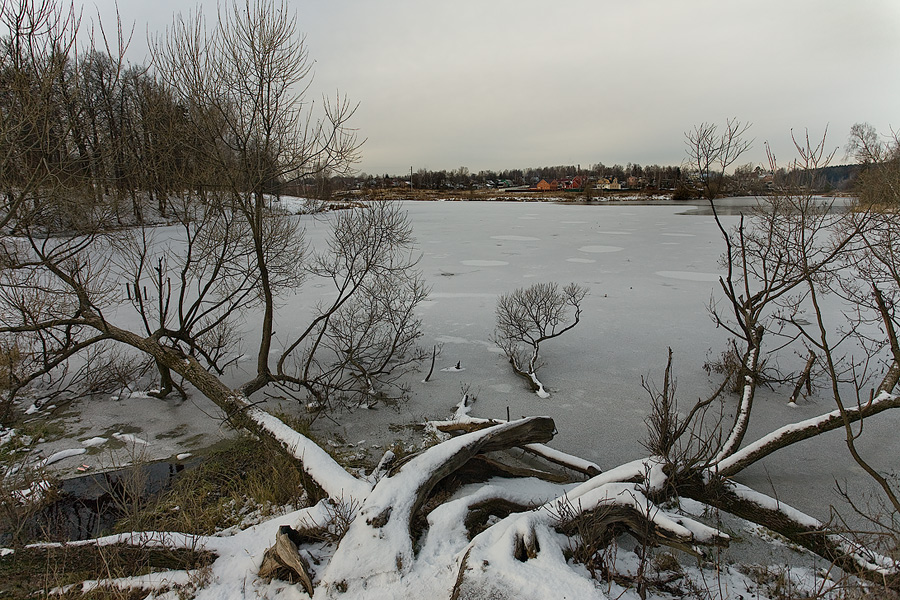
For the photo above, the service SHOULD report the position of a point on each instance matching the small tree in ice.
(530, 316)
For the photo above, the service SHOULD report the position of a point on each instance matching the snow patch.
(128, 438)
(62, 455)
(7, 435)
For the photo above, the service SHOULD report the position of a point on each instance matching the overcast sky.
(495, 84)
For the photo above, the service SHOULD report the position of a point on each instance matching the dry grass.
(36, 572)
(239, 479)
(10, 357)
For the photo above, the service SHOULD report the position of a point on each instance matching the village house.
(606, 184)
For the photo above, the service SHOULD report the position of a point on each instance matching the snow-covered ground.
(652, 272)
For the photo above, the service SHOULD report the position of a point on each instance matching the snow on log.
(798, 527)
(796, 432)
(564, 460)
(627, 502)
(462, 421)
(529, 542)
(62, 455)
(523, 552)
(318, 464)
(377, 547)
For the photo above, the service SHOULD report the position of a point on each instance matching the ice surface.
(689, 275)
(600, 249)
(484, 263)
(632, 315)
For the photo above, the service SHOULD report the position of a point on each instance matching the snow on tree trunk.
(377, 548)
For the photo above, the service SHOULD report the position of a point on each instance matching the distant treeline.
(745, 180)
(654, 176)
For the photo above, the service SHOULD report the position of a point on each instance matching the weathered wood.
(517, 471)
(470, 424)
(283, 561)
(385, 518)
(605, 522)
(500, 437)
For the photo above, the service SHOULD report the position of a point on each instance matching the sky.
(497, 84)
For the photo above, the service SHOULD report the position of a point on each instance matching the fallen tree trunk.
(797, 527)
(322, 469)
(378, 545)
(797, 432)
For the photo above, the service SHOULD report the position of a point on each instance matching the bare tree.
(233, 252)
(63, 295)
(710, 152)
(246, 84)
(35, 69)
(359, 344)
(528, 317)
(879, 160)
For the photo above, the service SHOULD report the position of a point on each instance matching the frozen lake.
(651, 270)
